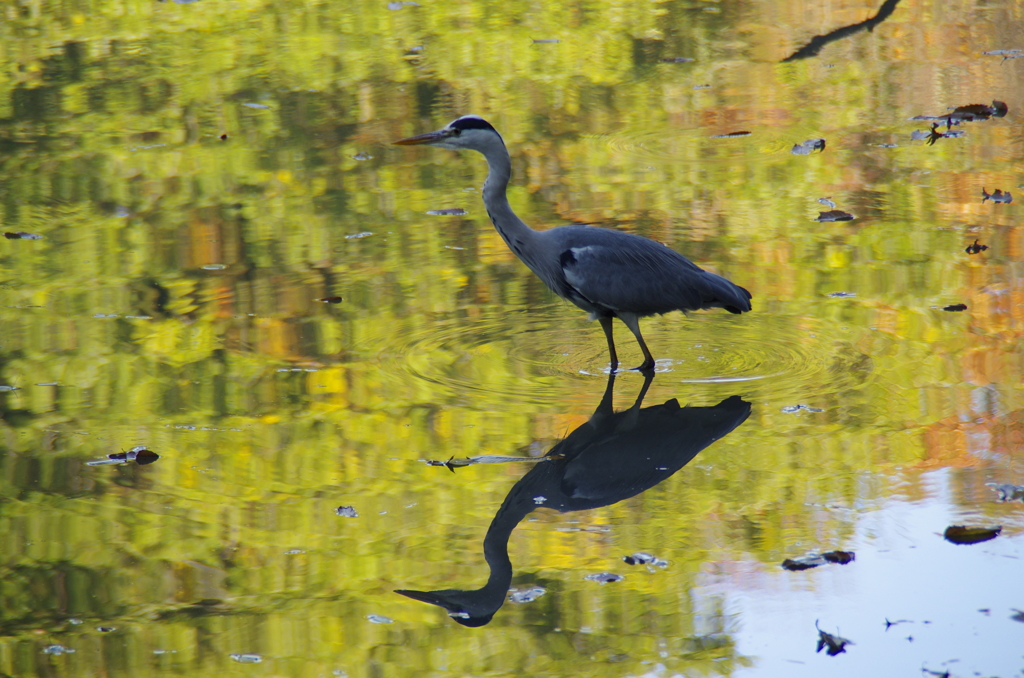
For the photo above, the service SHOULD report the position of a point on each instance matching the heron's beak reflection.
(429, 137)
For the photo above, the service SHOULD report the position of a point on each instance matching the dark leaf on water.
(730, 135)
(645, 559)
(976, 248)
(808, 147)
(21, 235)
(968, 113)
(834, 215)
(800, 564)
(604, 577)
(676, 60)
(833, 645)
(955, 308)
(812, 560)
(961, 534)
(223, 137)
(1007, 491)
(996, 196)
(139, 454)
(330, 300)
(839, 557)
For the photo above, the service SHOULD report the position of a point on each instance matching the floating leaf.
(604, 577)
(842, 295)
(379, 619)
(793, 409)
(139, 454)
(808, 147)
(330, 300)
(247, 658)
(22, 235)
(834, 215)
(996, 196)
(839, 557)
(961, 534)
(546, 41)
(812, 560)
(447, 212)
(968, 113)
(833, 644)
(356, 236)
(732, 135)
(1008, 492)
(645, 559)
(976, 248)
(526, 595)
(362, 156)
(347, 512)
(955, 308)
(676, 60)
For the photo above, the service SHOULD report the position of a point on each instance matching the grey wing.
(636, 275)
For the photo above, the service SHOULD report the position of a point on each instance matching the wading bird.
(609, 274)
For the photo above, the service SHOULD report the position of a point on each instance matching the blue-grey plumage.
(608, 273)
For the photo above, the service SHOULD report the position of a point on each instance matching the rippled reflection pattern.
(213, 253)
(614, 456)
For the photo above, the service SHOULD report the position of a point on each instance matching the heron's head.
(469, 131)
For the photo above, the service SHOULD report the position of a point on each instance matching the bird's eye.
(456, 131)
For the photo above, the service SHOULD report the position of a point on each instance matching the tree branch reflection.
(614, 456)
(819, 41)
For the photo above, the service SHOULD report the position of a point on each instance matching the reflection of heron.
(612, 457)
(608, 273)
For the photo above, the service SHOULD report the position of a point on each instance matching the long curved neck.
(512, 229)
(517, 505)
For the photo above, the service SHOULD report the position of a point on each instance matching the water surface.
(203, 174)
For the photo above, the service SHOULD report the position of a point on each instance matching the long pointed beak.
(427, 138)
(424, 596)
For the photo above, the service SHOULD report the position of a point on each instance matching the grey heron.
(614, 456)
(610, 274)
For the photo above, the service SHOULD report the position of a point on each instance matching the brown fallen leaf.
(834, 644)
(834, 215)
(994, 196)
(839, 557)
(961, 534)
(812, 560)
(976, 248)
(808, 147)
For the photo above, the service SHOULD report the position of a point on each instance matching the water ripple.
(542, 355)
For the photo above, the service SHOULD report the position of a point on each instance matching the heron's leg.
(632, 321)
(632, 415)
(606, 325)
(604, 408)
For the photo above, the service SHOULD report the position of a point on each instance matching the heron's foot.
(647, 367)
